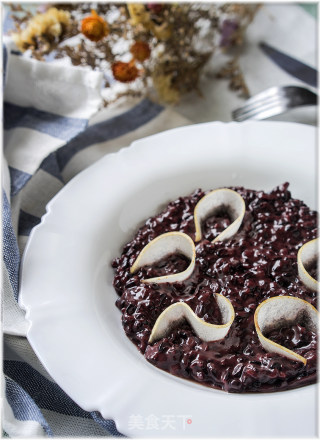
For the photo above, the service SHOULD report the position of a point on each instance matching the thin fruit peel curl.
(274, 313)
(307, 254)
(163, 246)
(214, 202)
(178, 312)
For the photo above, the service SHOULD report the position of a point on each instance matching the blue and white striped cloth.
(53, 129)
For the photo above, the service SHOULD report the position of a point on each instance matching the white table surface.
(289, 28)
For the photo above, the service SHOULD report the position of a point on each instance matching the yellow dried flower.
(163, 32)
(139, 14)
(163, 86)
(50, 23)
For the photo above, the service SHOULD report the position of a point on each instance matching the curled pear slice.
(306, 255)
(213, 202)
(163, 246)
(175, 314)
(274, 312)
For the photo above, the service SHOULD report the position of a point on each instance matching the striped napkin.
(53, 129)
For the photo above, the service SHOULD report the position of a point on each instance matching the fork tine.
(265, 94)
(251, 106)
(263, 111)
(274, 101)
(260, 98)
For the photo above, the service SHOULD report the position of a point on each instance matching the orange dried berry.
(140, 51)
(94, 27)
(125, 72)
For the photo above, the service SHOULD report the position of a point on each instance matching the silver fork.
(274, 101)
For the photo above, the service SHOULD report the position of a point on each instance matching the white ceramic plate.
(67, 279)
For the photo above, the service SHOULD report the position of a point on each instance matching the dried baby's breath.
(181, 38)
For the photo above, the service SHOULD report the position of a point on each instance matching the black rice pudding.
(258, 262)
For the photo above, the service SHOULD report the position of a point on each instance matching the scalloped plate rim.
(50, 228)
